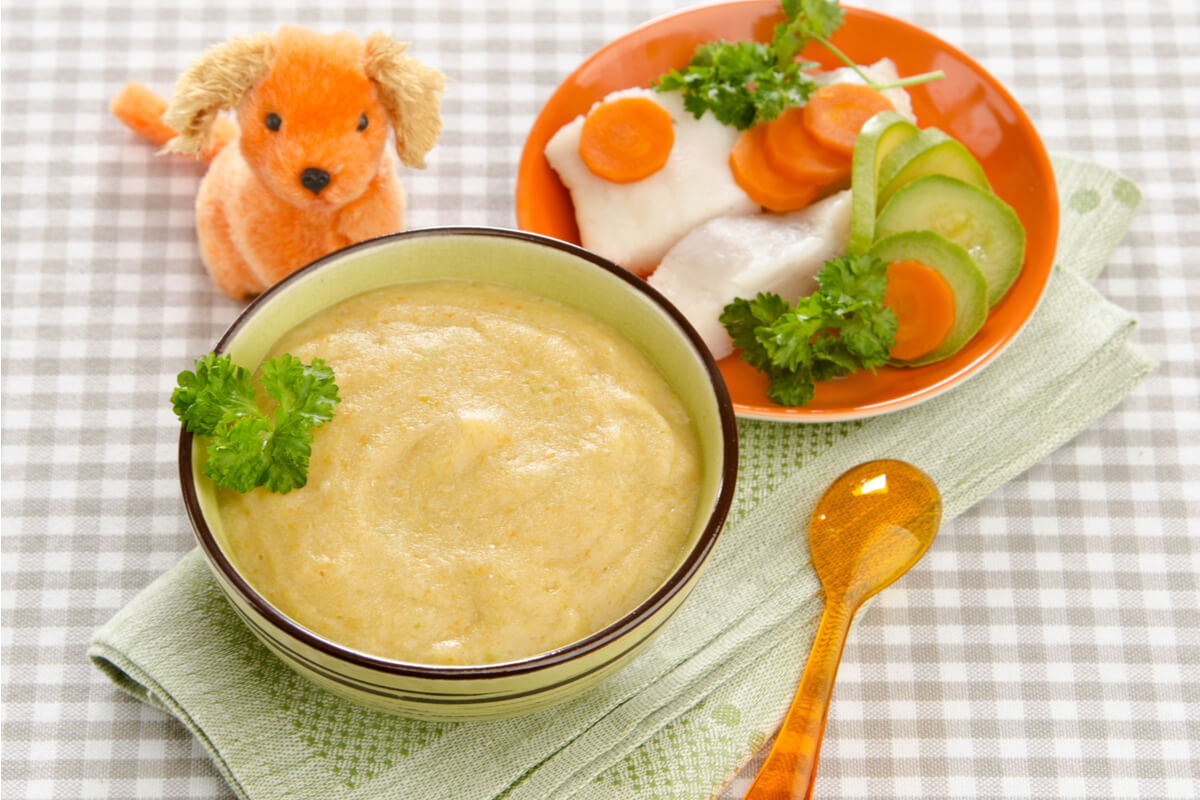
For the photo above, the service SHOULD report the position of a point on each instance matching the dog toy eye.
(362, 122)
(273, 121)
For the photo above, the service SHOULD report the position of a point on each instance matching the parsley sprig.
(741, 83)
(841, 328)
(248, 447)
(744, 83)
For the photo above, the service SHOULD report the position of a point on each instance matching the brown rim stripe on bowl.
(429, 698)
(597, 640)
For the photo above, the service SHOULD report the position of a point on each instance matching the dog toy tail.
(141, 110)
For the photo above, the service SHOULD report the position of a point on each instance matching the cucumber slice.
(880, 135)
(947, 157)
(983, 224)
(956, 266)
(902, 154)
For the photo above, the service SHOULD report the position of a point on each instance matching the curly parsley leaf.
(854, 279)
(217, 392)
(739, 82)
(789, 339)
(744, 83)
(794, 388)
(237, 458)
(248, 448)
(743, 319)
(841, 328)
(806, 20)
(307, 390)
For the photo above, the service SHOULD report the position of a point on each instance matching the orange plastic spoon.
(871, 525)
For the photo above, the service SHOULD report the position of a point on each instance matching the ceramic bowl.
(545, 267)
(968, 103)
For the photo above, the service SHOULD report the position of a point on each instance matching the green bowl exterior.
(544, 267)
(450, 701)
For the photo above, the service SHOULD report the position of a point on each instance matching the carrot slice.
(626, 140)
(793, 152)
(924, 306)
(836, 113)
(765, 186)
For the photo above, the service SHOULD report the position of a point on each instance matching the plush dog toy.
(305, 170)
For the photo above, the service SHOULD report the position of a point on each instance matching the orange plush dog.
(310, 171)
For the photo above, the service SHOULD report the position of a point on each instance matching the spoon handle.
(792, 763)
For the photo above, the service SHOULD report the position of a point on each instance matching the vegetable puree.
(503, 476)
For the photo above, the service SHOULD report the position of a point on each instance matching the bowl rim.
(679, 578)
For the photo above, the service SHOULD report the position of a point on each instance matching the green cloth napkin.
(677, 721)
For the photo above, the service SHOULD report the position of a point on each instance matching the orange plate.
(969, 104)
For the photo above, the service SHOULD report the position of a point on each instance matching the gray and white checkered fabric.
(1050, 647)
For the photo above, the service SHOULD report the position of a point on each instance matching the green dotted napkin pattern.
(711, 689)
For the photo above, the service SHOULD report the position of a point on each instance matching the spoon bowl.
(869, 528)
(871, 525)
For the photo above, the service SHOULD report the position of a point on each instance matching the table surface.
(1048, 647)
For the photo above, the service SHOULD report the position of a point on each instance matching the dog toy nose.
(314, 179)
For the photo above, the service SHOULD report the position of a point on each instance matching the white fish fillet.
(732, 257)
(634, 224)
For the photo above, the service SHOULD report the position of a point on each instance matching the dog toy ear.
(412, 94)
(215, 80)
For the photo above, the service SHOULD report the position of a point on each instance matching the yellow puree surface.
(503, 476)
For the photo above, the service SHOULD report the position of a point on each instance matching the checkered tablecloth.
(1048, 647)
